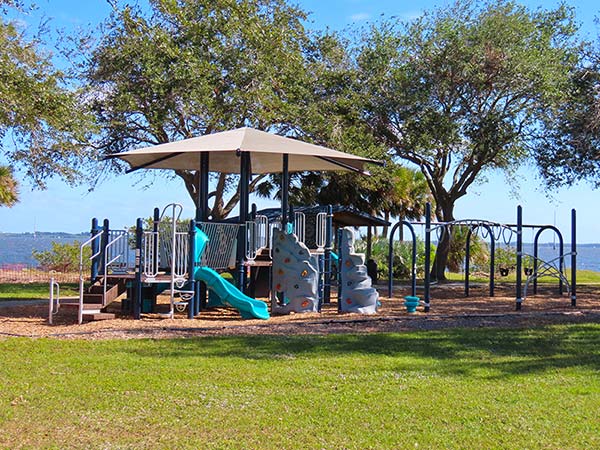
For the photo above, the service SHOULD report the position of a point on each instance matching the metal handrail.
(321, 230)
(51, 309)
(176, 210)
(300, 225)
(108, 262)
(81, 278)
(150, 243)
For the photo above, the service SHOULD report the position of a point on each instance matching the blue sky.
(123, 198)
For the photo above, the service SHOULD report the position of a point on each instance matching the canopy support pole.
(285, 192)
(244, 202)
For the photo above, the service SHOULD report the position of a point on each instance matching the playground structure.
(182, 260)
(493, 231)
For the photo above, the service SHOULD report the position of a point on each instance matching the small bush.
(63, 257)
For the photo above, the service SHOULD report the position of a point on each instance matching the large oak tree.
(43, 129)
(188, 68)
(465, 90)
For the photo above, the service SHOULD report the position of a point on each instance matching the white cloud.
(359, 17)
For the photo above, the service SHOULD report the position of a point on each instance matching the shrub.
(402, 256)
(479, 252)
(63, 257)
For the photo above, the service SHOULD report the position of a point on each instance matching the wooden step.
(88, 317)
(92, 298)
(86, 306)
(95, 289)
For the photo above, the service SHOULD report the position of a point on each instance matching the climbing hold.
(349, 283)
(280, 272)
(349, 301)
(304, 273)
(278, 287)
(276, 249)
(305, 303)
(286, 260)
(282, 237)
(348, 263)
(296, 286)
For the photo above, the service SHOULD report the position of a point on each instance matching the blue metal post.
(467, 261)
(339, 274)
(427, 281)
(137, 289)
(242, 234)
(201, 292)
(573, 258)
(285, 191)
(103, 245)
(492, 261)
(191, 269)
(95, 247)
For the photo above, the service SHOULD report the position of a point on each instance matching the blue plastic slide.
(227, 292)
(231, 296)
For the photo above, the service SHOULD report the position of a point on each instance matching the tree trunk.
(444, 213)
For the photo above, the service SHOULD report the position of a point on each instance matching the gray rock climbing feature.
(295, 275)
(357, 293)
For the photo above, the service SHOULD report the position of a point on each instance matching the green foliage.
(402, 256)
(493, 388)
(479, 252)
(9, 192)
(63, 257)
(568, 152)
(463, 90)
(46, 122)
(191, 67)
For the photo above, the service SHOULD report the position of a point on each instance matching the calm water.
(17, 248)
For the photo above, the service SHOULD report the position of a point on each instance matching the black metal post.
(137, 300)
(103, 245)
(202, 216)
(573, 258)
(242, 235)
(427, 281)
(285, 192)
(467, 260)
(95, 247)
(339, 274)
(492, 260)
(192, 269)
(519, 300)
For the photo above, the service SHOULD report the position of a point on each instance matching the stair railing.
(96, 237)
(299, 225)
(321, 230)
(54, 303)
(179, 250)
(117, 249)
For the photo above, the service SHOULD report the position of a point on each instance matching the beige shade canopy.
(225, 147)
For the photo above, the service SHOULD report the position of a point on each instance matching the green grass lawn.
(583, 277)
(34, 291)
(484, 388)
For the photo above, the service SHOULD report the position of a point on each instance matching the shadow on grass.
(457, 351)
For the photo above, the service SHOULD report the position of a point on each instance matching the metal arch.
(486, 226)
(561, 251)
(413, 262)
